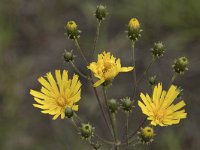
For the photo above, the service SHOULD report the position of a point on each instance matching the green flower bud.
(69, 112)
(127, 104)
(87, 131)
(100, 12)
(152, 80)
(134, 31)
(180, 65)
(68, 56)
(158, 50)
(145, 135)
(112, 105)
(72, 30)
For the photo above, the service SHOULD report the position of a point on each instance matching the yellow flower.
(106, 68)
(71, 25)
(148, 132)
(56, 96)
(160, 109)
(133, 24)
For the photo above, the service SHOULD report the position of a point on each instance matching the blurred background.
(32, 42)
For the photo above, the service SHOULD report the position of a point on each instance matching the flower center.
(159, 115)
(61, 101)
(107, 66)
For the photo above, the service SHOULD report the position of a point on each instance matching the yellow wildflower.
(71, 25)
(133, 24)
(107, 68)
(160, 109)
(56, 96)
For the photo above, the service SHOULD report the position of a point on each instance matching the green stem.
(79, 72)
(173, 78)
(126, 124)
(133, 64)
(74, 123)
(140, 125)
(103, 140)
(80, 51)
(96, 37)
(145, 72)
(112, 118)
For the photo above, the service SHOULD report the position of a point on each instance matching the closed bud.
(152, 80)
(87, 131)
(145, 135)
(127, 104)
(68, 56)
(134, 31)
(133, 24)
(69, 112)
(72, 30)
(112, 105)
(158, 50)
(100, 12)
(180, 65)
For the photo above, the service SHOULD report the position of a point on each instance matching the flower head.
(134, 30)
(71, 25)
(159, 107)
(107, 68)
(180, 65)
(133, 24)
(158, 50)
(72, 30)
(146, 135)
(56, 96)
(100, 12)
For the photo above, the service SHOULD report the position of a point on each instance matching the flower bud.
(112, 105)
(133, 24)
(127, 104)
(68, 56)
(158, 50)
(134, 31)
(100, 12)
(72, 30)
(146, 135)
(69, 112)
(180, 65)
(87, 131)
(152, 80)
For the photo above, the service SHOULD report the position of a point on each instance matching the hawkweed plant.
(60, 94)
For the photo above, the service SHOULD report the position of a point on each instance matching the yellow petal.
(75, 107)
(99, 82)
(38, 94)
(126, 69)
(44, 83)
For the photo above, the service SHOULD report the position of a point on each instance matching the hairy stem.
(145, 72)
(112, 118)
(140, 125)
(80, 51)
(96, 37)
(134, 70)
(79, 72)
(173, 78)
(126, 125)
